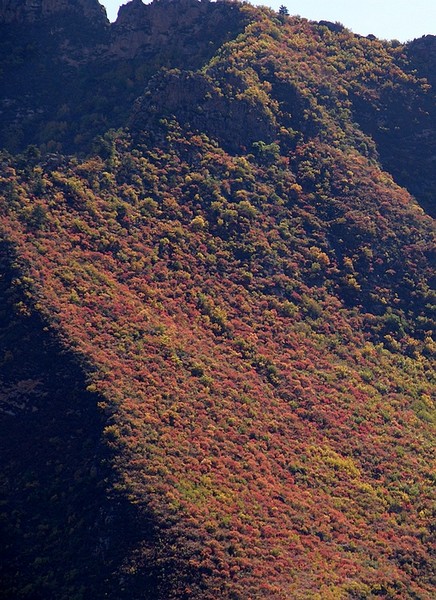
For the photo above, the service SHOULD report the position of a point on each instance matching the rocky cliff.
(179, 31)
(31, 11)
(60, 57)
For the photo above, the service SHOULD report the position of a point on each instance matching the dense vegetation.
(222, 317)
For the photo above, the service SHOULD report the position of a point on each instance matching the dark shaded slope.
(421, 57)
(391, 88)
(61, 535)
(401, 119)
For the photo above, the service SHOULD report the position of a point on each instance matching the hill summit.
(216, 347)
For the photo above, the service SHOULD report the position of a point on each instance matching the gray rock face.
(141, 28)
(31, 11)
(177, 30)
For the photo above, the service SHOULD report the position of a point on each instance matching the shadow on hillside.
(62, 534)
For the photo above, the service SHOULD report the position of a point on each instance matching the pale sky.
(387, 19)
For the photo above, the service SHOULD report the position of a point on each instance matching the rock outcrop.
(31, 11)
(178, 29)
(200, 103)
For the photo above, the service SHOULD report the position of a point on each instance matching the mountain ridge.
(147, 38)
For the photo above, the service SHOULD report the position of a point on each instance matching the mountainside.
(216, 329)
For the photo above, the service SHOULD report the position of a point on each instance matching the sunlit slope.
(249, 295)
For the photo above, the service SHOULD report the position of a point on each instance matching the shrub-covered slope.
(248, 294)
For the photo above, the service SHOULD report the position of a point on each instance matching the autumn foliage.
(248, 294)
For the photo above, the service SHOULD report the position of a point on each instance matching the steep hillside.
(228, 308)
